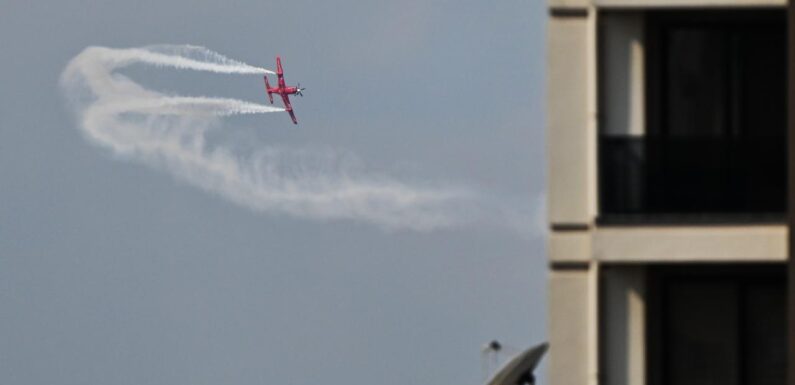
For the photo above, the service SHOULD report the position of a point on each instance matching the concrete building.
(667, 191)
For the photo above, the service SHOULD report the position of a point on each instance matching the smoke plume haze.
(170, 133)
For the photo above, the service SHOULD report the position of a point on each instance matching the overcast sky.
(113, 272)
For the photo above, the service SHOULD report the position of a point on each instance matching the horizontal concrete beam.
(766, 243)
(569, 246)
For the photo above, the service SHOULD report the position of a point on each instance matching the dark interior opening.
(717, 324)
(715, 141)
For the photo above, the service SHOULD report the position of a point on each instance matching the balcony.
(698, 179)
(712, 145)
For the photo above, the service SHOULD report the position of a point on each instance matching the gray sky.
(112, 272)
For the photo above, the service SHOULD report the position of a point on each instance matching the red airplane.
(283, 89)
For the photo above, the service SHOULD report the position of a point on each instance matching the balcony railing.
(692, 179)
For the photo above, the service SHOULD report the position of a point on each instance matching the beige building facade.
(667, 187)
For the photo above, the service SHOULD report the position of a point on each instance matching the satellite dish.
(519, 370)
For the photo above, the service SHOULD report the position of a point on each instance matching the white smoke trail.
(187, 57)
(169, 132)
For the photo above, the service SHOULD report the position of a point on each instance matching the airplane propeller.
(299, 90)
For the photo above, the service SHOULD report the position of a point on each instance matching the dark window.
(718, 325)
(716, 121)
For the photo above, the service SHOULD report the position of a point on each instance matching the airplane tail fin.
(267, 88)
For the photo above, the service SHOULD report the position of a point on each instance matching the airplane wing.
(289, 107)
(280, 72)
(268, 89)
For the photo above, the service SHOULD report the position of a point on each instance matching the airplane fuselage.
(281, 91)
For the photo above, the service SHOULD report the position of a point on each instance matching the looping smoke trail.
(169, 133)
